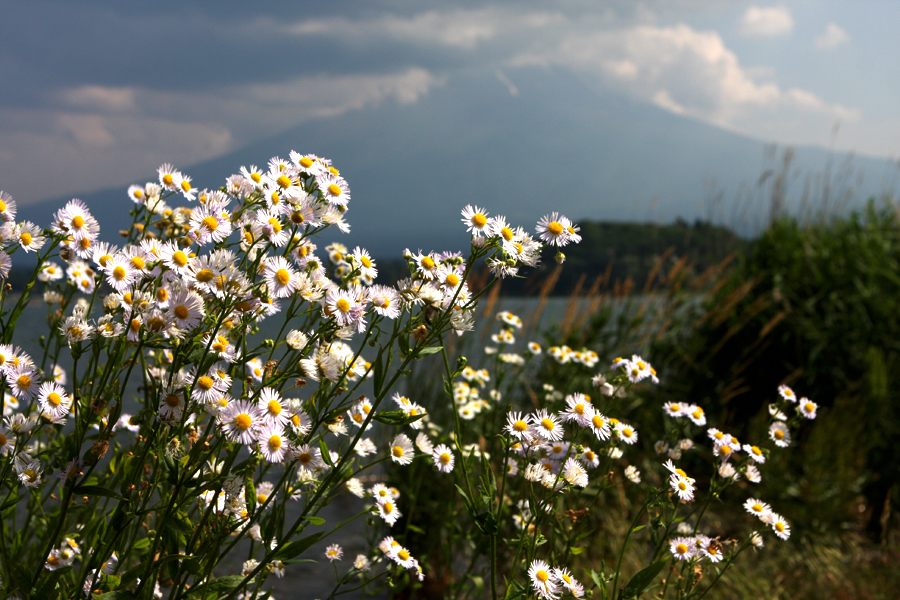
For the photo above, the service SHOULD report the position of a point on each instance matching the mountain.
(556, 145)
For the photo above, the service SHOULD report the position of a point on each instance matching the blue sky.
(95, 94)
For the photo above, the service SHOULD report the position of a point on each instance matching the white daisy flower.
(443, 458)
(402, 451)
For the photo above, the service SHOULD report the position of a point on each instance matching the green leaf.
(219, 585)
(326, 455)
(428, 350)
(486, 522)
(642, 579)
(315, 520)
(576, 550)
(396, 417)
(292, 549)
(143, 543)
(96, 490)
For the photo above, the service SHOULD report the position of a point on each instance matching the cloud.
(832, 37)
(691, 73)
(97, 136)
(767, 22)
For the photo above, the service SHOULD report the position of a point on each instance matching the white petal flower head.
(543, 580)
(443, 458)
(402, 450)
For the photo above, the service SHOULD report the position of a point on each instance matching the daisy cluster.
(733, 461)
(551, 583)
(537, 438)
(178, 303)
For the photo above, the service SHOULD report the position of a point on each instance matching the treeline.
(617, 252)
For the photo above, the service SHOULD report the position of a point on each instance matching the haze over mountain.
(591, 154)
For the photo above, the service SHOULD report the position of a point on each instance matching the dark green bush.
(815, 306)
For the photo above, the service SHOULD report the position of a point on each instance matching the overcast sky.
(99, 93)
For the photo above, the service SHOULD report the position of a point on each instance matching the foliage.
(813, 305)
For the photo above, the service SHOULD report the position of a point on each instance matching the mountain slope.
(557, 145)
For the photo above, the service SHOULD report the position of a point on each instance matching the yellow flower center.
(397, 451)
(78, 221)
(597, 421)
(256, 177)
(725, 450)
(24, 381)
(275, 442)
(682, 486)
(507, 233)
(119, 273)
(261, 498)
(403, 554)
(25, 238)
(211, 223)
(305, 458)
(343, 305)
(206, 382)
(284, 181)
(542, 575)
(810, 407)
(697, 413)
(757, 507)
(276, 225)
(334, 190)
(282, 276)
(755, 450)
(681, 548)
(181, 311)
(54, 399)
(205, 275)
(453, 279)
(306, 162)
(445, 458)
(274, 407)
(548, 424)
(3, 440)
(479, 220)
(428, 263)
(779, 526)
(579, 408)
(173, 400)
(186, 185)
(179, 258)
(555, 227)
(243, 421)
(167, 179)
(779, 434)
(2, 206)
